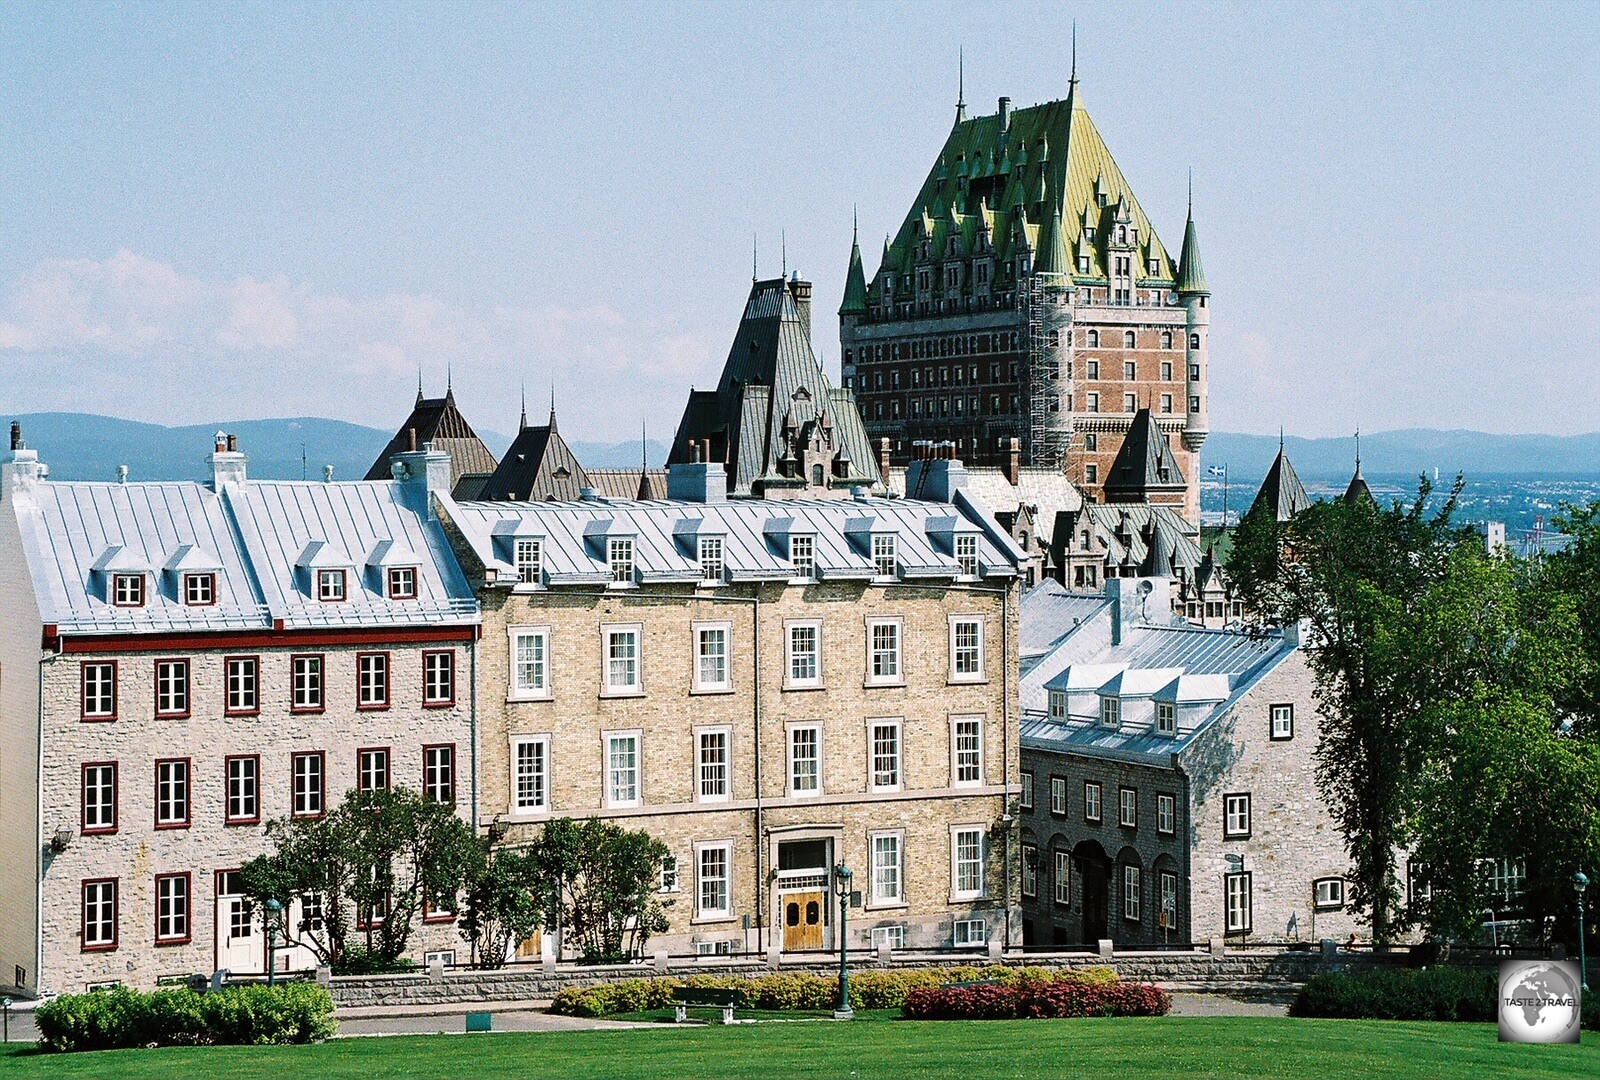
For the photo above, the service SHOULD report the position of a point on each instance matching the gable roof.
(438, 422)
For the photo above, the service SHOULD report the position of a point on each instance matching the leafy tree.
(501, 904)
(310, 856)
(599, 885)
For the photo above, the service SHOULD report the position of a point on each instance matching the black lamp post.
(1580, 882)
(274, 910)
(842, 876)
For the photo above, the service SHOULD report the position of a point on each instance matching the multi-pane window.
(966, 649)
(528, 556)
(712, 899)
(372, 769)
(403, 583)
(127, 590)
(100, 690)
(1236, 901)
(1110, 711)
(1166, 814)
(1166, 718)
(100, 914)
(243, 677)
(886, 868)
(172, 688)
(669, 873)
(307, 782)
(199, 590)
(372, 680)
(530, 774)
(805, 654)
(1132, 893)
(803, 556)
(712, 758)
(1167, 917)
(1236, 816)
(330, 585)
(1063, 882)
(1058, 795)
(530, 662)
(966, 749)
(886, 755)
(1030, 870)
(172, 908)
(885, 561)
(439, 773)
(439, 677)
(1128, 808)
(1283, 722)
(711, 658)
(1504, 878)
(966, 856)
(711, 559)
(244, 795)
(970, 933)
(619, 556)
(967, 555)
(172, 793)
(1091, 801)
(306, 683)
(622, 769)
(884, 648)
(805, 759)
(622, 660)
(100, 797)
(1329, 893)
(1058, 704)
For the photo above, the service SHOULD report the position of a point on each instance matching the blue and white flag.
(1216, 470)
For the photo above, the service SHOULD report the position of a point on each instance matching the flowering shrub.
(1034, 998)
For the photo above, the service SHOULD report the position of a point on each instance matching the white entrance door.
(241, 947)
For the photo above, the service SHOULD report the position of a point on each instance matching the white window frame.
(701, 632)
(712, 563)
(1236, 815)
(438, 675)
(128, 590)
(1058, 704)
(306, 685)
(1132, 893)
(887, 877)
(1093, 804)
(959, 863)
(1025, 791)
(1167, 900)
(803, 557)
(1166, 814)
(372, 680)
(242, 674)
(966, 553)
(669, 880)
(1110, 711)
(332, 586)
(1058, 795)
(1328, 893)
(538, 775)
(609, 687)
(1030, 871)
(172, 791)
(543, 688)
(200, 590)
(104, 903)
(242, 795)
(172, 687)
(395, 582)
(970, 655)
(791, 730)
(966, 762)
(1237, 902)
(885, 556)
(172, 908)
(704, 912)
(527, 558)
(99, 782)
(969, 934)
(1166, 719)
(790, 680)
(99, 690)
(1061, 886)
(889, 937)
(619, 559)
(706, 772)
(439, 773)
(875, 774)
(1128, 807)
(304, 799)
(614, 800)
(1280, 725)
(897, 654)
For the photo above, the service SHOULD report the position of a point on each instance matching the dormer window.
(1058, 704)
(619, 555)
(127, 590)
(330, 586)
(528, 557)
(199, 590)
(884, 557)
(1110, 712)
(803, 556)
(967, 555)
(711, 559)
(1083, 264)
(402, 583)
(1166, 718)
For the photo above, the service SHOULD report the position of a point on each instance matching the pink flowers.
(1035, 999)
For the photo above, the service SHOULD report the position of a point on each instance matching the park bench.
(715, 997)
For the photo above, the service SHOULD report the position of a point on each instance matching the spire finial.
(419, 384)
(1358, 451)
(755, 263)
(855, 224)
(961, 84)
(1191, 193)
(522, 424)
(783, 246)
(1074, 78)
(552, 404)
(644, 446)
(449, 381)
(1280, 438)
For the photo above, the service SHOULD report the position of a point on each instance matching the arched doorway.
(1094, 870)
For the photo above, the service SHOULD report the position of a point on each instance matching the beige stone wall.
(21, 839)
(759, 710)
(137, 851)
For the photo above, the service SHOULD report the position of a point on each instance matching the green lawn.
(1222, 1047)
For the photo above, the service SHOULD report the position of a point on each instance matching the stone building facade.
(185, 662)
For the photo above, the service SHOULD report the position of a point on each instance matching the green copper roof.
(855, 283)
(1058, 157)
(1191, 275)
(1052, 257)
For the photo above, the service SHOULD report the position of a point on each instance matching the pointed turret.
(1145, 469)
(1282, 495)
(1358, 491)
(1052, 247)
(1191, 275)
(855, 280)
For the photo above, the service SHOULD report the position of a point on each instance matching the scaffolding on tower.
(1047, 374)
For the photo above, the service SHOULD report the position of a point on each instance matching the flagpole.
(1224, 495)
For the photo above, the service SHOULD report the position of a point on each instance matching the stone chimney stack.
(1005, 114)
(801, 291)
(423, 474)
(21, 468)
(699, 481)
(1014, 461)
(935, 473)
(227, 463)
(883, 460)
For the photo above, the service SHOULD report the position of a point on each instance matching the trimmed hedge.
(120, 1018)
(807, 991)
(1031, 999)
(1436, 993)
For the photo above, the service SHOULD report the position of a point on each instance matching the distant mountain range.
(83, 446)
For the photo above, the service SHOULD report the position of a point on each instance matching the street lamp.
(274, 909)
(1580, 882)
(842, 875)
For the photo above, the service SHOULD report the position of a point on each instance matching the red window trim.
(344, 589)
(441, 703)
(188, 687)
(395, 594)
(188, 921)
(226, 711)
(388, 679)
(83, 914)
(144, 590)
(429, 916)
(388, 766)
(450, 746)
(323, 773)
(116, 799)
(322, 683)
(275, 638)
(185, 585)
(227, 780)
(83, 692)
(188, 794)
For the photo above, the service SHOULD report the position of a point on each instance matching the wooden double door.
(803, 920)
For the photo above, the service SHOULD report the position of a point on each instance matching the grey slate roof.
(439, 422)
(539, 465)
(1145, 462)
(1281, 492)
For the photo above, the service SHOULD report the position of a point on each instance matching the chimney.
(1014, 461)
(935, 474)
(227, 463)
(1005, 114)
(21, 468)
(1139, 601)
(883, 460)
(801, 291)
(327, 474)
(16, 435)
(422, 474)
(697, 481)
(411, 440)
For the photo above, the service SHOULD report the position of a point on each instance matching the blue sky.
(229, 211)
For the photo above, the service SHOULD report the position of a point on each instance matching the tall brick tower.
(1027, 296)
